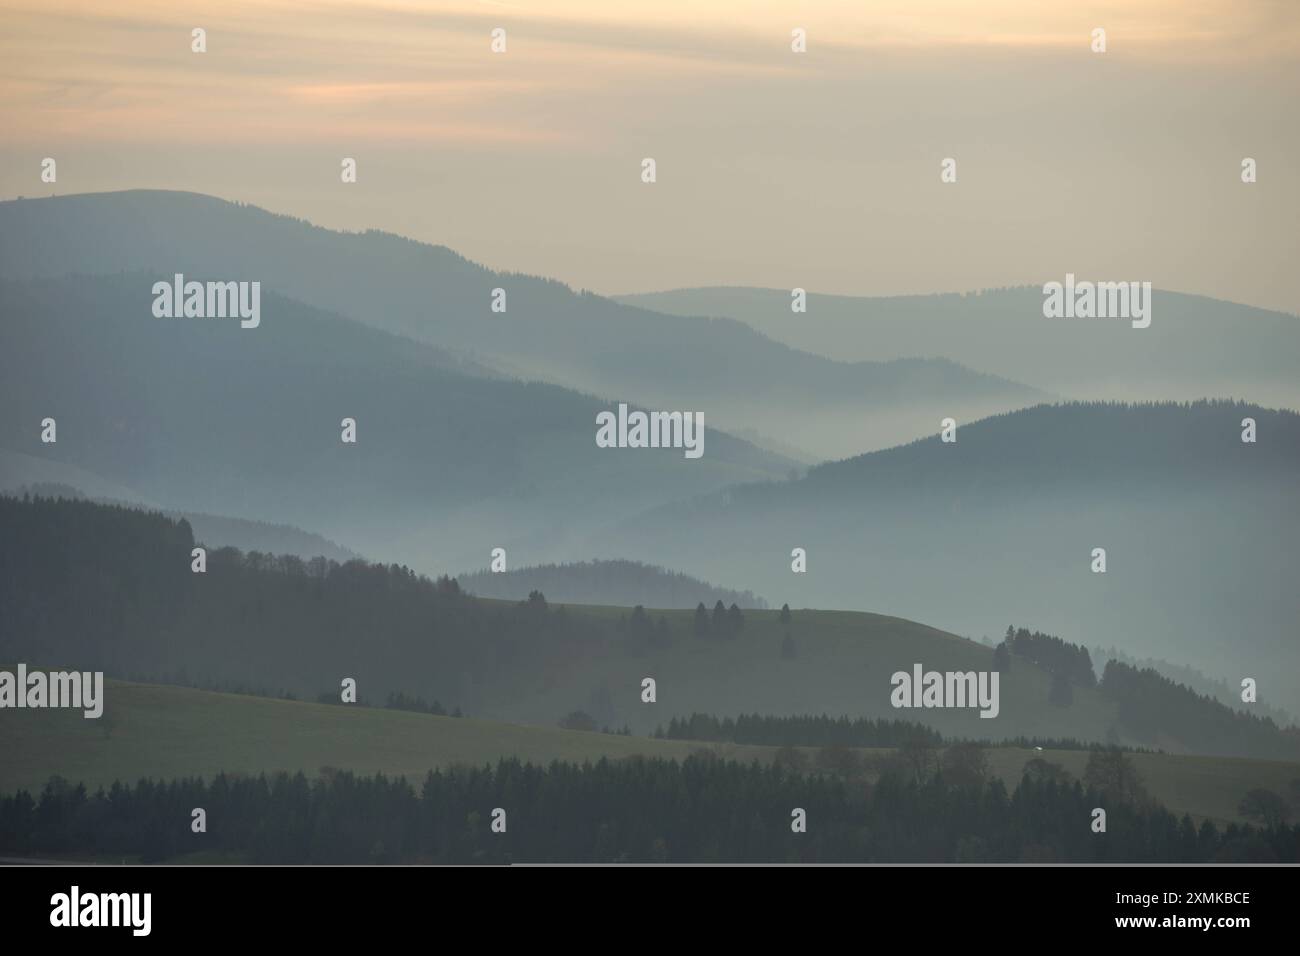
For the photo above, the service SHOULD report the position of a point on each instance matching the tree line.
(702, 809)
(808, 730)
(798, 731)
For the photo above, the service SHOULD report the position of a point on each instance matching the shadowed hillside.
(722, 368)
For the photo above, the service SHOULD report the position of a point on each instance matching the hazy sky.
(777, 169)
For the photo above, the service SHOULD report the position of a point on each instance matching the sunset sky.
(776, 169)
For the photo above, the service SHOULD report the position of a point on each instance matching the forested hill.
(216, 530)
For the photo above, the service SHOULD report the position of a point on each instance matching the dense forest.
(1150, 702)
(636, 810)
(1061, 659)
(1202, 683)
(109, 588)
(214, 530)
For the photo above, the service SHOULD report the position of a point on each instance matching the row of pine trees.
(638, 810)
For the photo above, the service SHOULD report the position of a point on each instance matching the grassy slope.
(843, 667)
(160, 731)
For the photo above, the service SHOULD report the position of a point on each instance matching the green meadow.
(162, 732)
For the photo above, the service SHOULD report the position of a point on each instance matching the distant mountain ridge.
(1195, 347)
(200, 415)
(723, 368)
